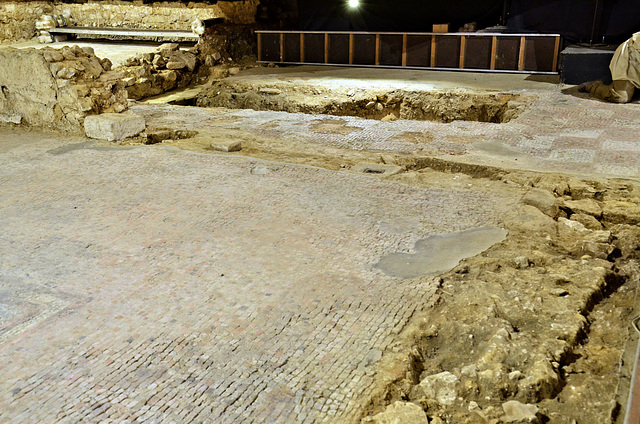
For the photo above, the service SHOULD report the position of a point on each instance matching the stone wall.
(56, 89)
(150, 74)
(17, 18)
(157, 15)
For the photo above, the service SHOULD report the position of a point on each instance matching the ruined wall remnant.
(156, 15)
(150, 74)
(18, 19)
(56, 89)
(229, 41)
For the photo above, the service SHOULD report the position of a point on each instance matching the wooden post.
(259, 47)
(326, 48)
(523, 43)
(351, 44)
(556, 51)
(377, 49)
(463, 47)
(404, 49)
(301, 47)
(494, 52)
(281, 47)
(433, 50)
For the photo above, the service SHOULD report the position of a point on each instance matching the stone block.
(543, 200)
(230, 146)
(89, 51)
(158, 61)
(516, 412)
(113, 126)
(621, 212)
(440, 387)
(176, 65)
(584, 206)
(588, 221)
(45, 39)
(131, 61)
(145, 57)
(399, 412)
(188, 59)
(106, 64)
(52, 56)
(66, 73)
(390, 118)
(93, 67)
(167, 48)
(68, 53)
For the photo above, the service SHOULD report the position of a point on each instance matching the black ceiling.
(596, 21)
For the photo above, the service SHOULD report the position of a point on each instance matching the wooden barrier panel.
(478, 53)
(364, 49)
(521, 53)
(507, 51)
(419, 51)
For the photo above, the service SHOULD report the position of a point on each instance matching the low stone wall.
(18, 19)
(215, 56)
(150, 74)
(57, 89)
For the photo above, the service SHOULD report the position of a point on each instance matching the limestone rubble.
(57, 89)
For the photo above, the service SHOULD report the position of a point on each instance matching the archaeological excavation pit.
(291, 241)
(369, 103)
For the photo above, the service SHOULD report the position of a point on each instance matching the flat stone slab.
(230, 146)
(113, 126)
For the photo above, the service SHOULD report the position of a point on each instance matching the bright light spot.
(354, 3)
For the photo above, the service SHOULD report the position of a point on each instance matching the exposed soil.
(441, 106)
(532, 319)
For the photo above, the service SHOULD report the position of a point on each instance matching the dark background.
(579, 21)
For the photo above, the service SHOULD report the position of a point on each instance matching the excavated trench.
(440, 106)
(543, 319)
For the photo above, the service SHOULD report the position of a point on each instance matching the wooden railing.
(521, 53)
